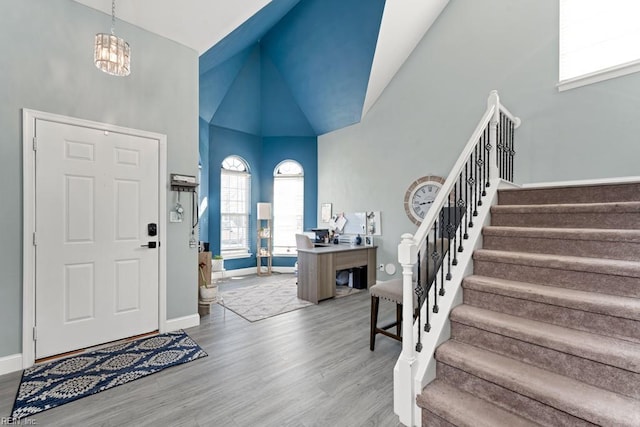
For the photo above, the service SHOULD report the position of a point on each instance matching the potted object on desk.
(217, 263)
(208, 292)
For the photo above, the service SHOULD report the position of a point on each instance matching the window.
(288, 206)
(234, 207)
(599, 40)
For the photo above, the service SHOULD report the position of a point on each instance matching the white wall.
(424, 117)
(47, 64)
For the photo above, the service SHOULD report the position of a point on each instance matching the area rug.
(265, 297)
(62, 381)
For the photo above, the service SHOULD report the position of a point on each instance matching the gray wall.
(47, 64)
(425, 116)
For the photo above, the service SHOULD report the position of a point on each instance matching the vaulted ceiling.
(288, 67)
(308, 67)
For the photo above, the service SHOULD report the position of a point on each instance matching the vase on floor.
(208, 294)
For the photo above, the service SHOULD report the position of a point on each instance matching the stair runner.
(549, 330)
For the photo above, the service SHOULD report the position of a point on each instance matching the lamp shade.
(264, 210)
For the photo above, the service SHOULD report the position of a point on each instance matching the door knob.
(150, 245)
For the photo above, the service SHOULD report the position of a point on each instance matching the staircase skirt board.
(549, 329)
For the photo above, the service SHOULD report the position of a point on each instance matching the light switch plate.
(175, 217)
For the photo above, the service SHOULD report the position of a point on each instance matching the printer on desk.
(321, 235)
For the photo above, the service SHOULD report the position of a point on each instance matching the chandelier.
(111, 53)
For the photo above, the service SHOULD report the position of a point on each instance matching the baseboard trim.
(284, 269)
(598, 181)
(184, 322)
(10, 363)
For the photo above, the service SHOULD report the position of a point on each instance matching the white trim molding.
(11, 363)
(597, 181)
(29, 118)
(183, 322)
(599, 76)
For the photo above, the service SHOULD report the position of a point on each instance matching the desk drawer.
(348, 259)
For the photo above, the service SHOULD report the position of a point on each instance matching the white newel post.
(404, 393)
(494, 101)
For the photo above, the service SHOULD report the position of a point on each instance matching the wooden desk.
(317, 268)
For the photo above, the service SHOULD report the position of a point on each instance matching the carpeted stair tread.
(610, 305)
(569, 208)
(612, 192)
(607, 235)
(583, 242)
(465, 410)
(599, 348)
(581, 400)
(561, 262)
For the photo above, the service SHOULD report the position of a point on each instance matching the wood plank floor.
(309, 367)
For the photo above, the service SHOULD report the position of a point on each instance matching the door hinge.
(35, 144)
(35, 239)
(35, 333)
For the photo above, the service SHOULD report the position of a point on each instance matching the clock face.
(420, 196)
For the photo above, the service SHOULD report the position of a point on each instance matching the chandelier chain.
(113, 16)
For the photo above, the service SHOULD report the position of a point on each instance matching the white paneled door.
(96, 273)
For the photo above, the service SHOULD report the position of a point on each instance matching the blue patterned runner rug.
(55, 383)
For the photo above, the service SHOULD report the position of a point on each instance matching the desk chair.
(303, 242)
(391, 290)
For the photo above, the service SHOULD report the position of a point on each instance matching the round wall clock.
(420, 196)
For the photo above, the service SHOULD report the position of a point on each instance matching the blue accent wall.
(203, 190)
(281, 114)
(324, 50)
(303, 150)
(223, 143)
(215, 84)
(295, 70)
(247, 34)
(240, 109)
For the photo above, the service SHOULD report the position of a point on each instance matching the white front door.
(96, 193)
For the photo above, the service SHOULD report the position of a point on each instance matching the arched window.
(234, 207)
(288, 206)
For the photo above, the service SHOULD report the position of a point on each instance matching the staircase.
(549, 331)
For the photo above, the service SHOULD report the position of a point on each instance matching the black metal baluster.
(475, 182)
(499, 147)
(459, 215)
(434, 257)
(455, 225)
(505, 148)
(466, 200)
(479, 172)
(427, 326)
(449, 233)
(483, 150)
(419, 291)
(512, 152)
(470, 187)
(488, 150)
(442, 266)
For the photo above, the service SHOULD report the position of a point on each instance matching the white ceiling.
(198, 24)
